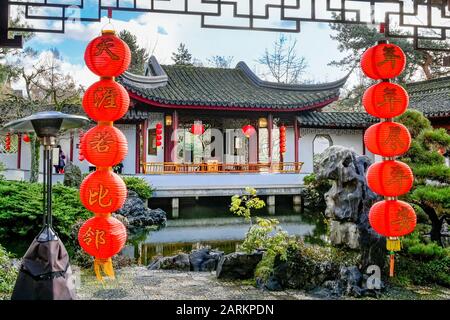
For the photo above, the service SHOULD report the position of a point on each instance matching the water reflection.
(201, 225)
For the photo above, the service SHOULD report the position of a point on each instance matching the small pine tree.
(139, 56)
(431, 191)
(182, 56)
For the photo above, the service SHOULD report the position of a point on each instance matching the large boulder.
(238, 265)
(204, 259)
(302, 271)
(178, 262)
(138, 215)
(348, 203)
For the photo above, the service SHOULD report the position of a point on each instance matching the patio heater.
(45, 273)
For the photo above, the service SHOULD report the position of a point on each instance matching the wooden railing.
(186, 168)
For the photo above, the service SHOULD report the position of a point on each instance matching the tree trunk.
(35, 153)
(436, 223)
(426, 66)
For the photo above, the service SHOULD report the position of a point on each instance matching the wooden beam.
(5, 42)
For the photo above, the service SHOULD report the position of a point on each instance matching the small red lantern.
(392, 218)
(106, 100)
(104, 146)
(102, 237)
(248, 130)
(383, 61)
(198, 129)
(390, 178)
(158, 143)
(8, 142)
(26, 138)
(385, 100)
(107, 55)
(387, 139)
(103, 191)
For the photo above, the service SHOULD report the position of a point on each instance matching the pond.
(207, 222)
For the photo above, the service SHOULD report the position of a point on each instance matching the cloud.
(162, 31)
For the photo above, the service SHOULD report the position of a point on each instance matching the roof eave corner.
(154, 77)
(335, 85)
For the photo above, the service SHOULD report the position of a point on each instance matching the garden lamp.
(45, 272)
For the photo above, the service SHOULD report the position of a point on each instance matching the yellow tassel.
(104, 265)
(393, 244)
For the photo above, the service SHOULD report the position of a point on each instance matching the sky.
(161, 34)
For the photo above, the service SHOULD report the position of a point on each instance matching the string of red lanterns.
(8, 142)
(390, 178)
(282, 139)
(159, 131)
(103, 191)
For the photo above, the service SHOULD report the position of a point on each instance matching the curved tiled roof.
(432, 97)
(335, 119)
(229, 89)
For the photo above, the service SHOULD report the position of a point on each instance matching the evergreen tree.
(139, 56)
(182, 56)
(431, 191)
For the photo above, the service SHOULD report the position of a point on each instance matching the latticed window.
(13, 144)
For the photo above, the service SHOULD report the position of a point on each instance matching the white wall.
(289, 155)
(352, 139)
(129, 163)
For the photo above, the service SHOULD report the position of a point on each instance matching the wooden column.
(19, 150)
(363, 143)
(269, 133)
(173, 152)
(138, 149)
(144, 144)
(296, 138)
(71, 147)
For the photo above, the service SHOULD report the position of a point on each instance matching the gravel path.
(138, 283)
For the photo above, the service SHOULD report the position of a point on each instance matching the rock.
(204, 259)
(72, 175)
(138, 215)
(178, 262)
(348, 203)
(303, 272)
(272, 284)
(238, 265)
(344, 233)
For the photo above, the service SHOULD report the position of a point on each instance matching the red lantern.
(8, 142)
(383, 61)
(159, 125)
(197, 129)
(385, 100)
(282, 139)
(390, 178)
(26, 138)
(107, 55)
(158, 143)
(102, 237)
(106, 100)
(158, 131)
(104, 146)
(248, 130)
(387, 139)
(103, 191)
(392, 218)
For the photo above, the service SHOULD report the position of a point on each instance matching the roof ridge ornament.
(241, 65)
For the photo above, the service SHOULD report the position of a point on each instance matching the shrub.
(8, 274)
(140, 186)
(21, 210)
(314, 191)
(242, 205)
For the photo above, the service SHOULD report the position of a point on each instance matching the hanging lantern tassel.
(393, 244)
(104, 265)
